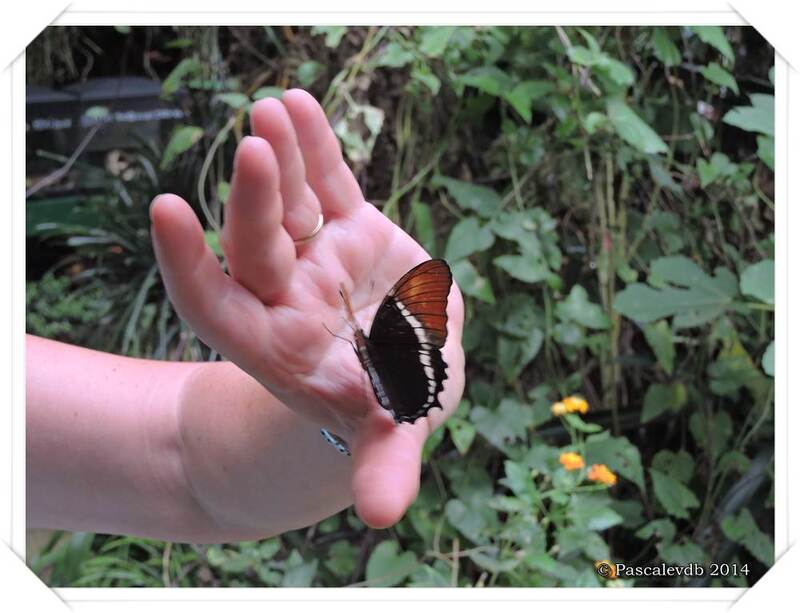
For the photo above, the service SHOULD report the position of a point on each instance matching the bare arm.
(176, 451)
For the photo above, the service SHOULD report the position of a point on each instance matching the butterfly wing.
(405, 339)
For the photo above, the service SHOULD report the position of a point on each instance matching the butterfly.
(402, 354)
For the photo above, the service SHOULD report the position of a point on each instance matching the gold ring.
(314, 232)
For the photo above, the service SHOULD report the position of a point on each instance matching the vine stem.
(222, 135)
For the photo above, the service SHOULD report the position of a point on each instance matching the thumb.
(387, 461)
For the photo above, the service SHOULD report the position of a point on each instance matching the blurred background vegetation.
(604, 196)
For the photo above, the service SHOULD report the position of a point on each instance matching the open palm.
(269, 316)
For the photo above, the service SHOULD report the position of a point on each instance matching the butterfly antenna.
(348, 307)
(347, 340)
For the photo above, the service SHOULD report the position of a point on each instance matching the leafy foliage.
(604, 197)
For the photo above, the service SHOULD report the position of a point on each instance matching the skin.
(235, 453)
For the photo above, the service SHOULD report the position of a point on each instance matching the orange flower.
(558, 409)
(602, 474)
(575, 404)
(571, 460)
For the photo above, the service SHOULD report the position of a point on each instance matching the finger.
(301, 207)
(259, 251)
(387, 461)
(221, 312)
(326, 171)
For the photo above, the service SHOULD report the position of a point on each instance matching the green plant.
(604, 197)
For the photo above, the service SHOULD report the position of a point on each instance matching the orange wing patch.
(423, 291)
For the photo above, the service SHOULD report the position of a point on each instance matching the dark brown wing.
(405, 339)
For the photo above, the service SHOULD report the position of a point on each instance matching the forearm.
(176, 451)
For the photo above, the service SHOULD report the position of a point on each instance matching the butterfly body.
(402, 353)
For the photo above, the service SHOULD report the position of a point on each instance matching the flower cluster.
(602, 474)
(571, 460)
(570, 404)
(599, 473)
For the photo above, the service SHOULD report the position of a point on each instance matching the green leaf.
(601, 62)
(183, 138)
(664, 49)
(682, 553)
(333, 34)
(660, 398)
(462, 433)
(715, 36)
(518, 479)
(663, 528)
(532, 229)
(632, 512)
(494, 563)
(593, 511)
(759, 117)
(299, 573)
(523, 95)
(734, 369)
(472, 283)
(503, 426)
(541, 562)
(580, 538)
(719, 166)
(632, 129)
(526, 267)
(433, 575)
(577, 307)
(673, 495)
(427, 78)
(423, 226)
(467, 520)
(766, 150)
(434, 40)
(235, 100)
(308, 72)
(662, 176)
(768, 360)
(394, 55)
(743, 529)
(268, 92)
(659, 336)
(617, 71)
(518, 316)
(483, 200)
(594, 121)
(758, 280)
(387, 567)
(579, 54)
(342, 558)
(678, 465)
(431, 443)
(618, 454)
(514, 354)
(357, 141)
(488, 79)
(717, 74)
(700, 300)
(468, 236)
(711, 432)
(187, 67)
(577, 423)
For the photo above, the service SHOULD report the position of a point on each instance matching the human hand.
(267, 316)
